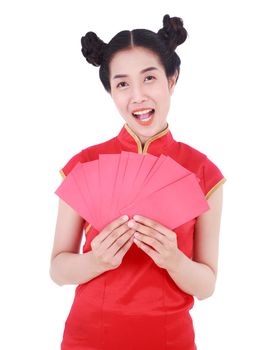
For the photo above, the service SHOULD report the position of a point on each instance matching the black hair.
(163, 43)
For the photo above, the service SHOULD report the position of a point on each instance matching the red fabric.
(137, 306)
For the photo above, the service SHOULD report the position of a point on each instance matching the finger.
(148, 231)
(120, 243)
(148, 250)
(115, 236)
(109, 228)
(121, 252)
(159, 247)
(155, 226)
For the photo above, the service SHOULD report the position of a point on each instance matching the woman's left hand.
(163, 240)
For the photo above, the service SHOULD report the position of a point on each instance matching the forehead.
(132, 61)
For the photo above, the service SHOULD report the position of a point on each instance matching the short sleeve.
(71, 164)
(212, 177)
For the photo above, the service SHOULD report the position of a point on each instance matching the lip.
(141, 109)
(143, 123)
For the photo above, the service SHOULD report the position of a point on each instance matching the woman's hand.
(112, 243)
(164, 241)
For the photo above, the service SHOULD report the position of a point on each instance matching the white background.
(53, 105)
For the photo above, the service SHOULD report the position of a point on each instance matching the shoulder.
(87, 154)
(189, 154)
(206, 170)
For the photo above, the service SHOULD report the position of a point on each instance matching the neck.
(143, 139)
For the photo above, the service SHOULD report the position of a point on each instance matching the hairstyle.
(163, 43)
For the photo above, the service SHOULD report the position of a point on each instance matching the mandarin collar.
(156, 144)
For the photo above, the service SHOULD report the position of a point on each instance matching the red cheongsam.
(137, 306)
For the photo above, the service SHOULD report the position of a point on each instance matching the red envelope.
(108, 167)
(165, 171)
(172, 205)
(133, 166)
(131, 183)
(74, 192)
(90, 171)
(123, 159)
(135, 176)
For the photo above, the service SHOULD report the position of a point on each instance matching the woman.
(136, 278)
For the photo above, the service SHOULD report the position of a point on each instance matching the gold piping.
(87, 228)
(136, 138)
(154, 137)
(62, 173)
(215, 187)
(143, 149)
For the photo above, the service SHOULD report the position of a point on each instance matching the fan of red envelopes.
(131, 183)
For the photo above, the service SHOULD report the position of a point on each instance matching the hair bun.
(92, 48)
(173, 31)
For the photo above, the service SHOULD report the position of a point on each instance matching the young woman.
(136, 278)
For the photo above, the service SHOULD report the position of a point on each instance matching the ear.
(172, 81)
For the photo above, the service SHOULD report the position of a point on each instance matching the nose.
(137, 94)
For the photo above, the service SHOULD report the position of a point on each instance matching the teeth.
(145, 120)
(142, 112)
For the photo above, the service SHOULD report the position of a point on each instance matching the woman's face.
(139, 84)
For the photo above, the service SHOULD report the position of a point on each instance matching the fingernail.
(131, 223)
(125, 217)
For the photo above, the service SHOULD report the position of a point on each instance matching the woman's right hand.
(112, 243)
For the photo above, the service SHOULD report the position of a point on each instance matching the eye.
(122, 82)
(150, 76)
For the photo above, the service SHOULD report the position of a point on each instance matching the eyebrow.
(143, 71)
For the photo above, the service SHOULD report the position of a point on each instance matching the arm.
(67, 265)
(109, 246)
(198, 276)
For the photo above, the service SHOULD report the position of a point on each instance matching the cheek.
(160, 92)
(163, 99)
(120, 101)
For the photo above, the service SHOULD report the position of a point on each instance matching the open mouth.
(144, 115)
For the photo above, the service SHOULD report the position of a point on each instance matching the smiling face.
(139, 84)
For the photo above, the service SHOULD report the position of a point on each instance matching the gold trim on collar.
(154, 137)
(136, 138)
(141, 148)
